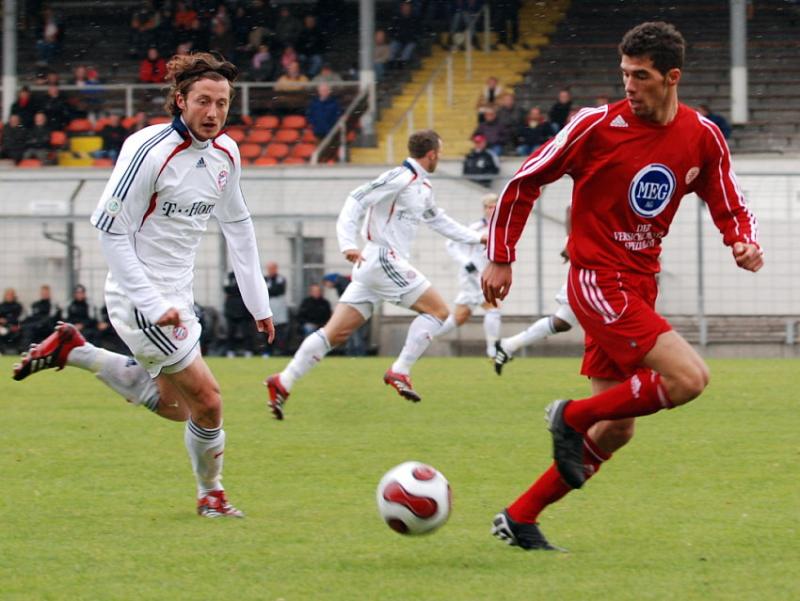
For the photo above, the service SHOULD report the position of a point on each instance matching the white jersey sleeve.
(439, 221)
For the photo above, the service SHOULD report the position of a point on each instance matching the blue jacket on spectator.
(323, 114)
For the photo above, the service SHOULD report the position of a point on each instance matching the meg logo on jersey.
(651, 190)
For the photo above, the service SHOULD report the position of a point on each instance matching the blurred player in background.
(388, 210)
(168, 181)
(631, 161)
(471, 259)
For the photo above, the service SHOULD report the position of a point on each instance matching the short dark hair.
(422, 142)
(183, 71)
(659, 41)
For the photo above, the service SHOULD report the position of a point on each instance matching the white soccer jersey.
(165, 186)
(395, 203)
(463, 254)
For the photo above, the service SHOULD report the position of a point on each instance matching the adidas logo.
(618, 121)
(202, 163)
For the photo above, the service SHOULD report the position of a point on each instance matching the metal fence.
(46, 239)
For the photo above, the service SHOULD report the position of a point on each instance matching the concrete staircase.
(456, 122)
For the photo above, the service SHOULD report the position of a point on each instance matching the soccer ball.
(414, 498)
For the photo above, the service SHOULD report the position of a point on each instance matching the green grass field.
(98, 496)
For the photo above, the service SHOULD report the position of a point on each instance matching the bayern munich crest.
(180, 333)
(222, 180)
(651, 190)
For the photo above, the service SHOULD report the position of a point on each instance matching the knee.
(339, 336)
(207, 408)
(689, 384)
(442, 313)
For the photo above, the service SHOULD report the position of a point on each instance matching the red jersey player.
(631, 163)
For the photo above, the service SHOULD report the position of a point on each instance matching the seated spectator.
(25, 106)
(288, 56)
(287, 27)
(56, 108)
(405, 31)
(324, 111)
(489, 97)
(38, 145)
(51, 33)
(107, 336)
(153, 68)
(292, 80)
(493, 131)
(42, 318)
(142, 33)
(534, 133)
(242, 330)
(15, 139)
(559, 112)
(310, 46)
(382, 54)
(85, 76)
(716, 119)
(79, 314)
(10, 329)
(314, 311)
(88, 102)
(262, 65)
(184, 17)
(113, 135)
(480, 161)
(327, 75)
(511, 117)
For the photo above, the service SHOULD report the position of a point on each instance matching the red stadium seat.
(80, 126)
(29, 163)
(102, 163)
(58, 139)
(277, 150)
(128, 122)
(236, 134)
(293, 161)
(308, 136)
(159, 120)
(287, 136)
(266, 122)
(250, 151)
(259, 136)
(294, 122)
(265, 161)
(303, 150)
(101, 123)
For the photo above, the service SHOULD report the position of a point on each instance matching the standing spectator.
(405, 31)
(79, 314)
(10, 329)
(51, 33)
(38, 145)
(311, 46)
(56, 108)
(716, 119)
(262, 65)
(25, 106)
(511, 118)
(534, 133)
(113, 134)
(276, 284)
(461, 13)
(493, 131)
(324, 111)
(153, 68)
(287, 28)
(241, 327)
(15, 139)
(164, 33)
(559, 112)
(481, 161)
(505, 14)
(292, 80)
(381, 54)
(327, 75)
(183, 20)
(142, 33)
(314, 311)
(489, 97)
(41, 319)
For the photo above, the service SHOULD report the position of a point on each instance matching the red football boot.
(215, 505)
(277, 395)
(402, 384)
(50, 352)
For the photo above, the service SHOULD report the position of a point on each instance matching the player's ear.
(673, 76)
(180, 101)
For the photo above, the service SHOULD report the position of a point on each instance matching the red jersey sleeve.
(551, 161)
(718, 188)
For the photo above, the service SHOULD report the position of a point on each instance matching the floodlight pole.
(9, 55)
(366, 66)
(738, 9)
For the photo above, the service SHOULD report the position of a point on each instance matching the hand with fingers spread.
(748, 256)
(496, 282)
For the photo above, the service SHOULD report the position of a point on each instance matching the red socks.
(641, 394)
(549, 488)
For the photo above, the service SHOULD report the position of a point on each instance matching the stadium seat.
(294, 122)
(250, 151)
(265, 161)
(58, 139)
(303, 150)
(236, 134)
(266, 122)
(246, 120)
(287, 136)
(308, 136)
(277, 150)
(80, 126)
(100, 124)
(259, 136)
(29, 163)
(294, 161)
(128, 122)
(159, 120)
(102, 163)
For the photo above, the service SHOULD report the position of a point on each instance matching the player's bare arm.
(496, 282)
(748, 256)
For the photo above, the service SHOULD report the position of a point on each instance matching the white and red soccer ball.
(414, 498)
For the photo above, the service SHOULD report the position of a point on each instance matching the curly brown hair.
(659, 41)
(186, 69)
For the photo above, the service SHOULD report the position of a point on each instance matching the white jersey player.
(388, 211)
(471, 260)
(167, 183)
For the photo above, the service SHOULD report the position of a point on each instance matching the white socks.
(492, 321)
(205, 447)
(120, 373)
(311, 351)
(448, 326)
(420, 333)
(539, 330)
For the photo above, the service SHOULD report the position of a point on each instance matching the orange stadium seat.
(236, 134)
(101, 123)
(259, 136)
(29, 163)
(308, 136)
(102, 163)
(293, 161)
(80, 126)
(266, 122)
(246, 120)
(58, 139)
(250, 151)
(128, 122)
(287, 136)
(294, 122)
(303, 150)
(265, 161)
(159, 120)
(277, 150)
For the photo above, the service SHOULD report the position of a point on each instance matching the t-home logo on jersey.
(651, 190)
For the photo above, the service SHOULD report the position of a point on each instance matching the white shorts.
(470, 292)
(561, 295)
(564, 311)
(383, 276)
(156, 348)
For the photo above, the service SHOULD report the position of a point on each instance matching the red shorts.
(616, 311)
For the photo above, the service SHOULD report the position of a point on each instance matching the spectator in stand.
(143, 27)
(534, 133)
(25, 106)
(113, 134)
(287, 28)
(461, 13)
(262, 65)
(90, 100)
(42, 318)
(140, 122)
(293, 80)
(183, 19)
(107, 336)
(288, 56)
(382, 53)
(10, 329)
(480, 161)
(51, 33)
(511, 118)
(79, 314)
(323, 112)
(559, 112)
(56, 108)
(222, 40)
(327, 75)
(38, 144)
(276, 284)
(405, 31)
(493, 131)
(489, 97)
(314, 311)
(15, 139)
(164, 32)
(241, 327)
(311, 45)
(505, 14)
(716, 119)
(85, 76)
(153, 68)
